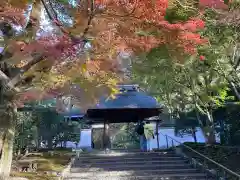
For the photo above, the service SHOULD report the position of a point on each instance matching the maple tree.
(57, 53)
(142, 25)
(203, 81)
(51, 66)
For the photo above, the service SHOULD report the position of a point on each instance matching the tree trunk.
(235, 90)
(222, 132)
(26, 150)
(8, 141)
(170, 107)
(7, 152)
(106, 137)
(194, 134)
(211, 138)
(49, 143)
(200, 123)
(157, 133)
(196, 108)
(1, 140)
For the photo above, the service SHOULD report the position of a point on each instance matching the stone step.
(124, 167)
(138, 150)
(128, 152)
(129, 160)
(124, 158)
(144, 161)
(162, 177)
(140, 154)
(147, 172)
(164, 165)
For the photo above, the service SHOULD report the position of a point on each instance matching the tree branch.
(231, 83)
(11, 83)
(5, 78)
(54, 13)
(55, 21)
(91, 16)
(18, 78)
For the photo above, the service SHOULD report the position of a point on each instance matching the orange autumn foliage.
(111, 26)
(129, 17)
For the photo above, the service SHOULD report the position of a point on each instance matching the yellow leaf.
(84, 67)
(114, 90)
(112, 82)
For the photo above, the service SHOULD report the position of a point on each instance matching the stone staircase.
(165, 165)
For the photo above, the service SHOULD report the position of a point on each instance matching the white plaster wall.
(85, 138)
(170, 132)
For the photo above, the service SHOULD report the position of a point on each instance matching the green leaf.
(63, 1)
(226, 2)
(142, 33)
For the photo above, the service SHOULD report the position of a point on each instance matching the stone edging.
(66, 171)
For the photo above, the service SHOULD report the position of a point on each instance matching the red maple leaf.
(202, 58)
